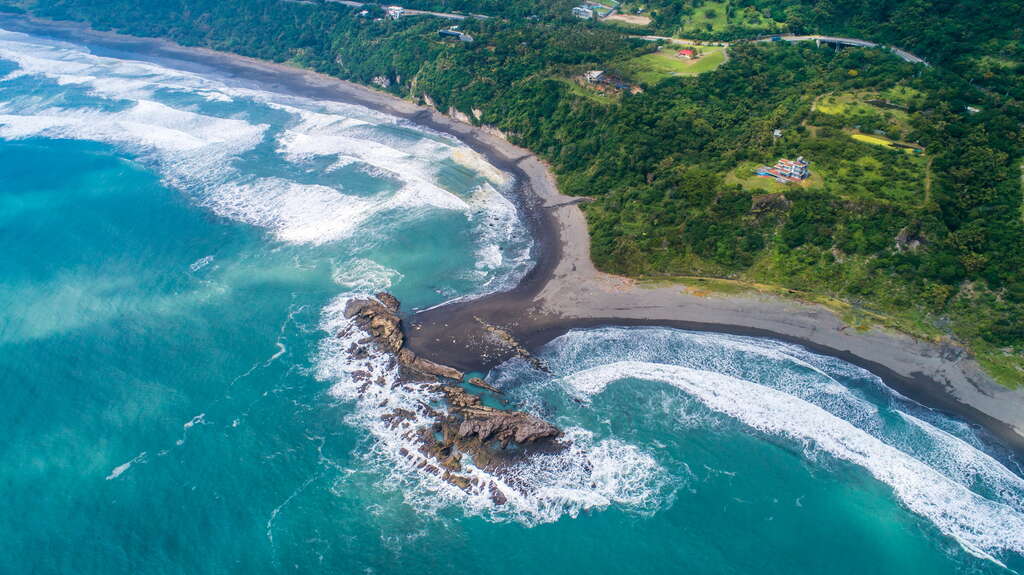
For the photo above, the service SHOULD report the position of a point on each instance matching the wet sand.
(565, 291)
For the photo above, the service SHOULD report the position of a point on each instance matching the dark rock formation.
(909, 239)
(492, 437)
(766, 203)
(470, 420)
(379, 318)
(505, 339)
(477, 382)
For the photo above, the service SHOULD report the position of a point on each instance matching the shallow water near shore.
(178, 248)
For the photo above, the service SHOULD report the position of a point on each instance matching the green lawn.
(903, 95)
(853, 110)
(845, 104)
(744, 175)
(653, 68)
(714, 16)
(881, 141)
(710, 17)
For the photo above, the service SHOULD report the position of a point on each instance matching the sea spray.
(781, 390)
(585, 473)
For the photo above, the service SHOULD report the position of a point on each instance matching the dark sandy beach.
(564, 291)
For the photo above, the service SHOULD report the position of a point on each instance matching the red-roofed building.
(786, 171)
(685, 53)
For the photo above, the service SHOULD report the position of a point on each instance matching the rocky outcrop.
(493, 438)
(767, 203)
(379, 318)
(505, 339)
(477, 382)
(909, 239)
(453, 112)
(471, 420)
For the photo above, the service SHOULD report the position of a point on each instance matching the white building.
(583, 12)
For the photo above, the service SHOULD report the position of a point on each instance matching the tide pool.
(177, 249)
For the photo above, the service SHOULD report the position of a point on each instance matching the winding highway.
(820, 39)
(411, 12)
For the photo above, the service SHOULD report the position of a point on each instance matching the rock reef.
(491, 437)
(379, 318)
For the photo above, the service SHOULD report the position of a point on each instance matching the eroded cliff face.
(464, 425)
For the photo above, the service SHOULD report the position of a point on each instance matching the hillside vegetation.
(914, 208)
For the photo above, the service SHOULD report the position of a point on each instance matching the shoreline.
(564, 290)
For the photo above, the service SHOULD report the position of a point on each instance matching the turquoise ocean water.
(176, 249)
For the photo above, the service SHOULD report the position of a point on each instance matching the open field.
(711, 16)
(715, 17)
(629, 19)
(869, 108)
(655, 67)
(883, 114)
(903, 95)
(883, 141)
(844, 104)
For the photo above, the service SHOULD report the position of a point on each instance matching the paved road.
(902, 54)
(410, 12)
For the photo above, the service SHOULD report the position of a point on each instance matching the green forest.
(914, 208)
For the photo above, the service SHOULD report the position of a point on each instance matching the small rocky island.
(464, 426)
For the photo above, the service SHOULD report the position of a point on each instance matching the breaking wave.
(782, 390)
(249, 155)
(591, 473)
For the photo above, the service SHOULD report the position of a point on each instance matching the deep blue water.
(175, 252)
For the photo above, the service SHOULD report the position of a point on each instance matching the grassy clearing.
(716, 17)
(629, 20)
(653, 68)
(903, 95)
(882, 141)
(1006, 368)
(844, 104)
(854, 110)
(710, 17)
(876, 140)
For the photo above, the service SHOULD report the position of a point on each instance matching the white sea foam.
(145, 127)
(786, 367)
(120, 469)
(591, 473)
(197, 420)
(498, 229)
(472, 160)
(197, 151)
(982, 526)
(965, 464)
(410, 163)
(365, 276)
(200, 263)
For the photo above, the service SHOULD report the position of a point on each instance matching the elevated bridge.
(840, 41)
